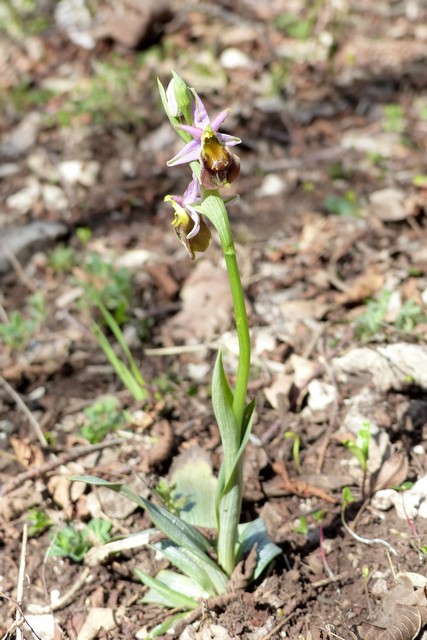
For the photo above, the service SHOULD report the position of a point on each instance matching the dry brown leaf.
(303, 309)
(363, 287)
(27, 454)
(405, 623)
(392, 472)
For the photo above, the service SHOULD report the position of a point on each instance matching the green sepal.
(173, 120)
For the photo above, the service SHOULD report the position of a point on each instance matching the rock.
(388, 205)
(74, 18)
(23, 200)
(272, 185)
(136, 21)
(80, 172)
(22, 137)
(23, 241)
(233, 58)
(394, 366)
(54, 197)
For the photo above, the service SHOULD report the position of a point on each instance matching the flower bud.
(179, 98)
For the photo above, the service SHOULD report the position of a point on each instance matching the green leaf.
(347, 497)
(246, 432)
(252, 533)
(161, 594)
(176, 529)
(101, 528)
(195, 485)
(222, 402)
(189, 565)
(118, 334)
(162, 628)
(137, 390)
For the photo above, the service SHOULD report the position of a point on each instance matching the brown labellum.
(220, 167)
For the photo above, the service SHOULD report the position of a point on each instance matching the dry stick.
(67, 598)
(212, 603)
(332, 417)
(16, 265)
(25, 410)
(20, 585)
(68, 456)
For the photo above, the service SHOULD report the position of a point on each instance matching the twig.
(20, 585)
(328, 569)
(212, 603)
(16, 265)
(299, 487)
(66, 599)
(68, 456)
(186, 348)
(23, 407)
(325, 581)
(332, 417)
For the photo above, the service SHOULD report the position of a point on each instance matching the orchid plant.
(206, 564)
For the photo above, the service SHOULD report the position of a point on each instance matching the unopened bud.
(179, 98)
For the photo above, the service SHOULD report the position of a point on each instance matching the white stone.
(321, 395)
(233, 58)
(272, 185)
(24, 199)
(54, 197)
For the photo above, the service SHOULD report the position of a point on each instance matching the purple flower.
(219, 165)
(190, 228)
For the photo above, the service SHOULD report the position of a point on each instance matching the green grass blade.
(138, 392)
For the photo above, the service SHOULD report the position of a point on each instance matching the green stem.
(230, 504)
(214, 209)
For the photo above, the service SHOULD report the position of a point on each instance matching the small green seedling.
(346, 205)
(39, 521)
(371, 321)
(62, 259)
(128, 372)
(409, 316)
(102, 417)
(72, 543)
(301, 526)
(171, 502)
(394, 120)
(113, 287)
(18, 330)
(294, 26)
(84, 235)
(295, 448)
(360, 449)
(347, 498)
